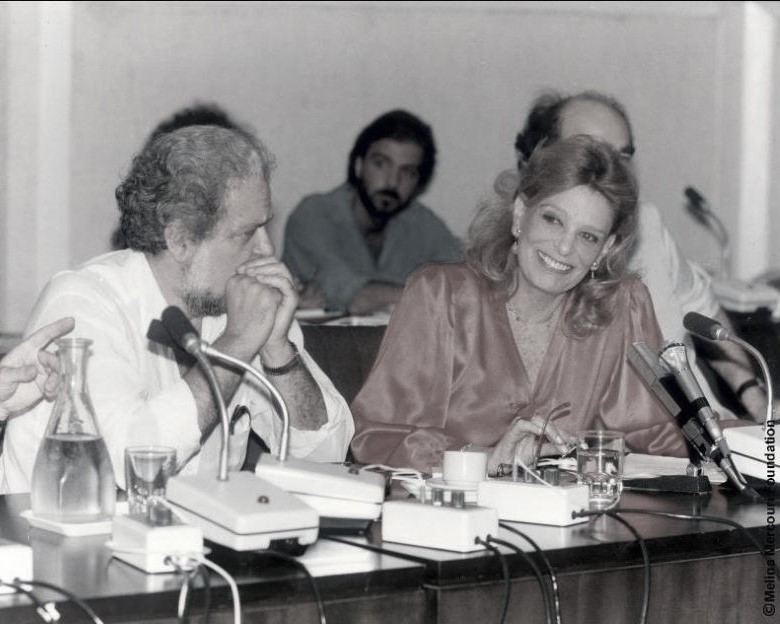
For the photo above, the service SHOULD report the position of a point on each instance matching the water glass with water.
(147, 469)
(600, 466)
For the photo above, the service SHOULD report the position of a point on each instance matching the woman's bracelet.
(285, 368)
(745, 385)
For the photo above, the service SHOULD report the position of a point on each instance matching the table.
(702, 572)
(357, 585)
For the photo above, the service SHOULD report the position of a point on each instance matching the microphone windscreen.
(694, 196)
(703, 326)
(177, 324)
(159, 334)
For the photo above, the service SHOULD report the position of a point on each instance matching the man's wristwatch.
(285, 368)
(745, 385)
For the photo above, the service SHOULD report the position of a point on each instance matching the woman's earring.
(593, 268)
(516, 235)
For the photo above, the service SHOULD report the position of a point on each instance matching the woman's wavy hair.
(553, 169)
(183, 175)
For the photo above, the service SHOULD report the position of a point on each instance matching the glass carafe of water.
(73, 480)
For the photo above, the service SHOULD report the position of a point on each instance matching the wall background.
(84, 82)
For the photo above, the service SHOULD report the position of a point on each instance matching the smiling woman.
(574, 214)
(541, 315)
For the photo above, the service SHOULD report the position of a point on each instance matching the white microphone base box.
(749, 441)
(535, 503)
(16, 561)
(242, 513)
(334, 490)
(432, 526)
(146, 546)
(328, 507)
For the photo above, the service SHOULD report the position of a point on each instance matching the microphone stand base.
(675, 484)
(242, 513)
(333, 490)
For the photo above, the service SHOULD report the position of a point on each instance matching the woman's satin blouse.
(448, 373)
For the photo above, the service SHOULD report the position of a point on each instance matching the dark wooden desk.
(356, 585)
(702, 573)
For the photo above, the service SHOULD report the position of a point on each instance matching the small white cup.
(464, 467)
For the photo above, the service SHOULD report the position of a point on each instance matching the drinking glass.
(147, 469)
(600, 466)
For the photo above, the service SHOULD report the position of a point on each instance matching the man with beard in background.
(352, 249)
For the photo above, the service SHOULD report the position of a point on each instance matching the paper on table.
(371, 320)
(316, 315)
(637, 465)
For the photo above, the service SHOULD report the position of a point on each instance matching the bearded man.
(353, 248)
(195, 208)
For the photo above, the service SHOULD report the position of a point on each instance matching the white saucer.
(73, 529)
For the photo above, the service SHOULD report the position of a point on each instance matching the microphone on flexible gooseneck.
(675, 357)
(243, 512)
(660, 379)
(697, 199)
(708, 328)
(703, 326)
(181, 329)
(284, 441)
(700, 209)
(186, 336)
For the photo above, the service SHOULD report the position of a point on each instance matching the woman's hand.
(521, 441)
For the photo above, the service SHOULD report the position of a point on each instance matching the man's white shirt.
(136, 386)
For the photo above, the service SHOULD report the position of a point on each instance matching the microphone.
(675, 356)
(331, 490)
(748, 442)
(284, 443)
(661, 381)
(697, 204)
(341, 495)
(244, 512)
(181, 330)
(708, 328)
(655, 374)
(697, 199)
(158, 333)
(705, 327)
(185, 335)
